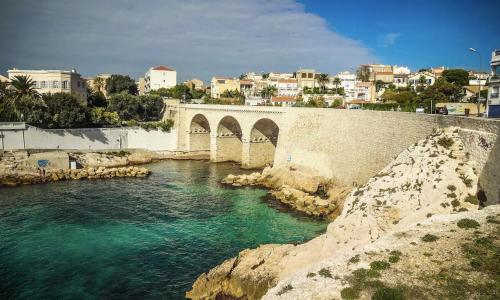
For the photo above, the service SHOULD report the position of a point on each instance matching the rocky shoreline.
(12, 180)
(297, 188)
(385, 239)
(19, 167)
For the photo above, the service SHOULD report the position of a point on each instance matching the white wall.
(154, 140)
(88, 139)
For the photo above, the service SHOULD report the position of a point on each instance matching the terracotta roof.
(246, 81)
(162, 68)
(384, 73)
(283, 99)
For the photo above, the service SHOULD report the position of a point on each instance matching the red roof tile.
(283, 99)
(162, 68)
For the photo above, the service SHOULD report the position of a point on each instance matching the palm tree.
(98, 84)
(323, 79)
(23, 85)
(269, 91)
(337, 82)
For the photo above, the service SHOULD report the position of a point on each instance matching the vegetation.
(120, 83)
(386, 293)
(19, 102)
(429, 238)
(467, 223)
(285, 289)
(325, 273)
(394, 256)
(379, 265)
(445, 142)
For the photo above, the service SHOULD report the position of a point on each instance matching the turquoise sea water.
(134, 238)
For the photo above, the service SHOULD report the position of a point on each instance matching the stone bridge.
(249, 135)
(349, 146)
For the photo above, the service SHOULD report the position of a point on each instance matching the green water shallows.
(133, 238)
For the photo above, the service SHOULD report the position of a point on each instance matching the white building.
(54, 81)
(401, 80)
(287, 87)
(254, 101)
(160, 77)
(399, 70)
(494, 86)
(278, 76)
(414, 80)
(348, 82)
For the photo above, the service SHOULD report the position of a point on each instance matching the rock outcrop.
(298, 188)
(25, 178)
(430, 182)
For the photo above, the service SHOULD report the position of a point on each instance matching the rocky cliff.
(419, 198)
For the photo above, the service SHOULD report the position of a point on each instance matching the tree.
(96, 98)
(442, 90)
(379, 84)
(23, 85)
(98, 84)
(100, 116)
(243, 76)
(269, 91)
(459, 77)
(65, 111)
(139, 108)
(119, 83)
(265, 75)
(323, 80)
(336, 82)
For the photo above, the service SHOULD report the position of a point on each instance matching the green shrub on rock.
(467, 223)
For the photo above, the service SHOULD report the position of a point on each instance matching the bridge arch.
(229, 140)
(199, 133)
(262, 144)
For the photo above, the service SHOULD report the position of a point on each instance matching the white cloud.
(388, 39)
(198, 38)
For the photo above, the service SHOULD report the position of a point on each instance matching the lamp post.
(479, 79)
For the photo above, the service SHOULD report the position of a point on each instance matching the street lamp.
(479, 79)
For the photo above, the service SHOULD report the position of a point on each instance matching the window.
(35, 84)
(495, 91)
(43, 84)
(55, 84)
(310, 75)
(65, 84)
(496, 70)
(304, 75)
(78, 83)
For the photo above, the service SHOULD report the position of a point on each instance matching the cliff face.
(427, 188)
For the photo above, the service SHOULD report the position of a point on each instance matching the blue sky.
(417, 33)
(203, 38)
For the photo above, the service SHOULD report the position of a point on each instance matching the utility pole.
(479, 79)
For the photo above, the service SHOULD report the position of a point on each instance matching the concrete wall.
(154, 140)
(89, 139)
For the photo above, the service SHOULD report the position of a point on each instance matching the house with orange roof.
(283, 101)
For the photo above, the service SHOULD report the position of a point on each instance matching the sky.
(205, 38)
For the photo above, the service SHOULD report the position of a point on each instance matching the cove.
(134, 238)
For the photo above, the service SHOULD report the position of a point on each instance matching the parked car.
(420, 110)
(442, 110)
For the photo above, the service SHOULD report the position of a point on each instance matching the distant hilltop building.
(377, 72)
(160, 77)
(194, 84)
(54, 81)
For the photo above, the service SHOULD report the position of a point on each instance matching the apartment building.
(283, 101)
(194, 84)
(347, 82)
(421, 78)
(493, 108)
(247, 86)
(219, 85)
(278, 76)
(376, 72)
(287, 87)
(305, 78)
(141, 86)
(365, 91)
(54, 81)
(160, 77)
(401, 80)
(3, 79)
